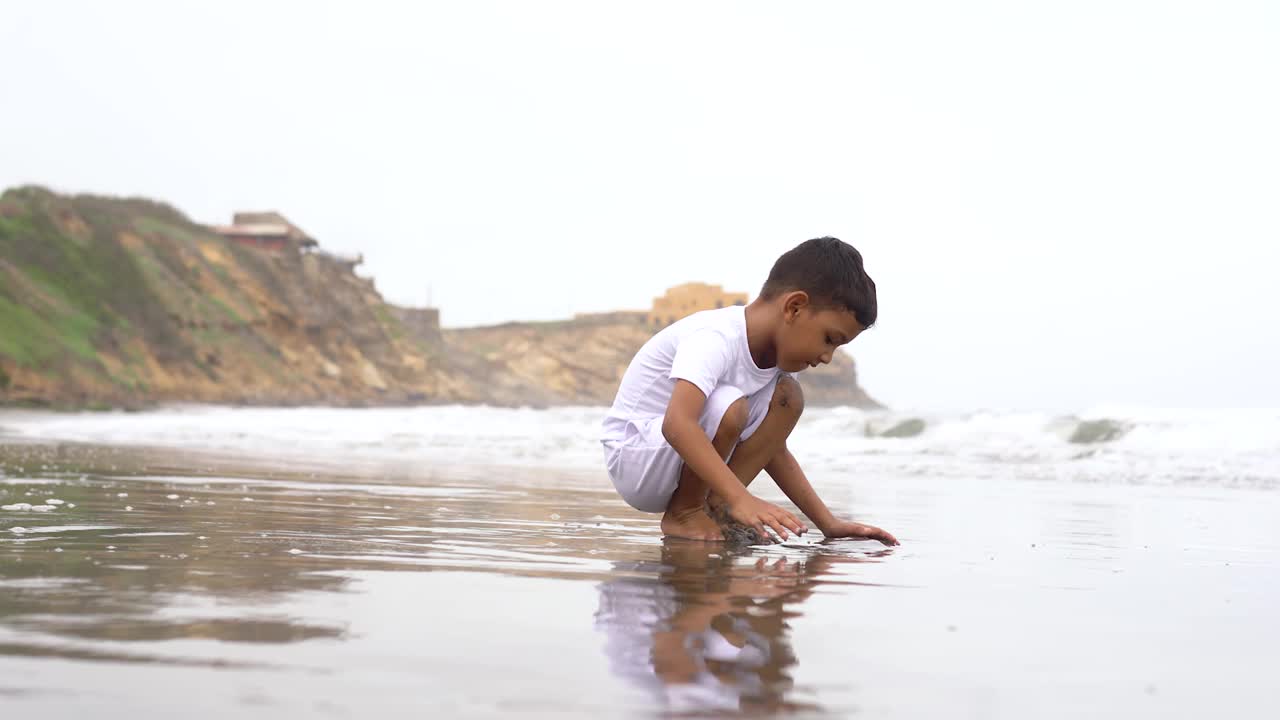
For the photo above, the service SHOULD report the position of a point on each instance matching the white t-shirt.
(707, 348)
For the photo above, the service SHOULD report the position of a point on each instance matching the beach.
(215, 562)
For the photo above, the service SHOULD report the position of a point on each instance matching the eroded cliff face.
(108, 302)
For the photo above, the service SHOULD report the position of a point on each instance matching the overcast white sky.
(1063, 205)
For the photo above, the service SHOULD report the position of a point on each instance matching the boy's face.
(809, 337)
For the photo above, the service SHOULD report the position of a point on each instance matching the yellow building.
(684, 300)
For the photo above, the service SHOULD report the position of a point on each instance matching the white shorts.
(644, 467)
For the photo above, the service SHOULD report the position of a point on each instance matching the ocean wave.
(1125, 444)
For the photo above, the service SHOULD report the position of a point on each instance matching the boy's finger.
(777, 526)
(786, 518)
(800, 523)
(789, 520)
(883, 536)
(794, 523)
(762, 533)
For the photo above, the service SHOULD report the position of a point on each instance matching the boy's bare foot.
(691, 524)
(716, 506)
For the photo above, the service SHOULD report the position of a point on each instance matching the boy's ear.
(792, 303)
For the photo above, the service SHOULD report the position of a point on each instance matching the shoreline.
(166, 571)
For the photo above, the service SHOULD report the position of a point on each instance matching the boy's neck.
(762, 321)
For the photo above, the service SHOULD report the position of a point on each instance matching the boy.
(709, 401)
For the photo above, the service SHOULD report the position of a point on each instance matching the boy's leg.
(686, 515)
(785, 407)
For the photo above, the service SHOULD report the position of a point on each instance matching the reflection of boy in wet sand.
(707, 632)
(709, 401)
(712, 653)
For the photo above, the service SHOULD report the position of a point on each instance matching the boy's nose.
(826, 358)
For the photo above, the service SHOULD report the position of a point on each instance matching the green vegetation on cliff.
(64, 289)
(125, 300)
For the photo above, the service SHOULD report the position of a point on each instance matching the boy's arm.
(680, 428)
(785, 470)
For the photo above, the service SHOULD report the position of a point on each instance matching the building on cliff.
(422, 323)
(683, 300)
(266, 230)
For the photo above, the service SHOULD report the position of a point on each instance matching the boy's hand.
(843, 529)
(757, 513)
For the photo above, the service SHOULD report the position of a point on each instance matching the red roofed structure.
(265, 230)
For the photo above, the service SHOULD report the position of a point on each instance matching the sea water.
(251, 562)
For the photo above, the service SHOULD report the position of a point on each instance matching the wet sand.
(169, 583)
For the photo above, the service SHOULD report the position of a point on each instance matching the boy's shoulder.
(706, 332)
(706, 328)
(727, 321)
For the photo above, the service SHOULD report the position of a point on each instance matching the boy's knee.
(734, 421)
(788, 397)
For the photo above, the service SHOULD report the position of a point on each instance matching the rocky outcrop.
(110, 302)
(581, 361)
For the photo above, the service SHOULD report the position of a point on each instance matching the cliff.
(107, 301)
(110, 302)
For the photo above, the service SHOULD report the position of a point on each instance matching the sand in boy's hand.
(735, 533)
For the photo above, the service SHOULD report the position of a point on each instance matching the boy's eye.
(829, 340)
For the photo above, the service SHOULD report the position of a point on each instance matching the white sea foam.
(1210, 446)
(24, 507)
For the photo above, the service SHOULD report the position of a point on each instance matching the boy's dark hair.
(830, 271)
